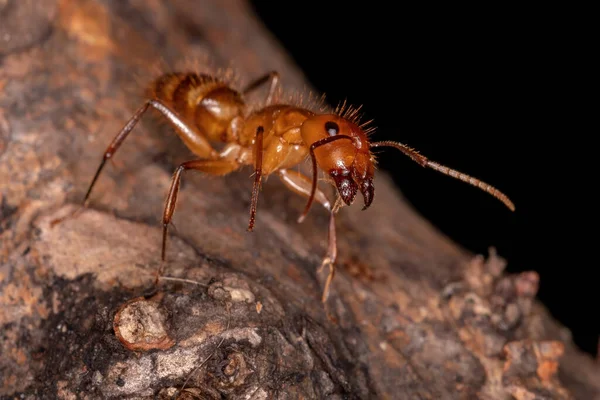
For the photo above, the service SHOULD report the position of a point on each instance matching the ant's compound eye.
(332, 128)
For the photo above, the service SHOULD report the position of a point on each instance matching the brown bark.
(410, 315)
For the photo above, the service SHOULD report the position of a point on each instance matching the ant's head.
(341, 149)
(340, 146)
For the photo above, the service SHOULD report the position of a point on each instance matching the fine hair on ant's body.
(273, 138)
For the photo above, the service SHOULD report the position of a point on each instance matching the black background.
(488, 90)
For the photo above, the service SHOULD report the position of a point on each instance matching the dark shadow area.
(479, 90)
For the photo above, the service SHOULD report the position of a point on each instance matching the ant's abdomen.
(203, 101)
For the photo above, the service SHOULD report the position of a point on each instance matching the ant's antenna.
(425, 162)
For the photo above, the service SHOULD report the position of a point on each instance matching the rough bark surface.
(410, 316)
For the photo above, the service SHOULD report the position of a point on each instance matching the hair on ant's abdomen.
(203, 101)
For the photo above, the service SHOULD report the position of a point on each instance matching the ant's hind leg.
(302, 185)
(108, 153)
(273, 77)
(212, 167)
(194, 141)
(114, 146)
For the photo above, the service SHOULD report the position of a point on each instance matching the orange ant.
(273, 138)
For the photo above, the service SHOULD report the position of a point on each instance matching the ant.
(273, 138)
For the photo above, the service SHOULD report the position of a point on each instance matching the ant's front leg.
(302, 185)
(331, 255)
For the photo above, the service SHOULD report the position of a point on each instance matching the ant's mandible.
(273, 138)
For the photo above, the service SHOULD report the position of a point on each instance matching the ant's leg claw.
(70, 215)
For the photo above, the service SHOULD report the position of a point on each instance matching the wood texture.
(410, 315)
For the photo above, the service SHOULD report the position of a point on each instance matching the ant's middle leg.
(258, 156)
(212, 167)
(273, 77)
(302, 185)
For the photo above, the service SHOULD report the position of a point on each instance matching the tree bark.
(410, 315)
